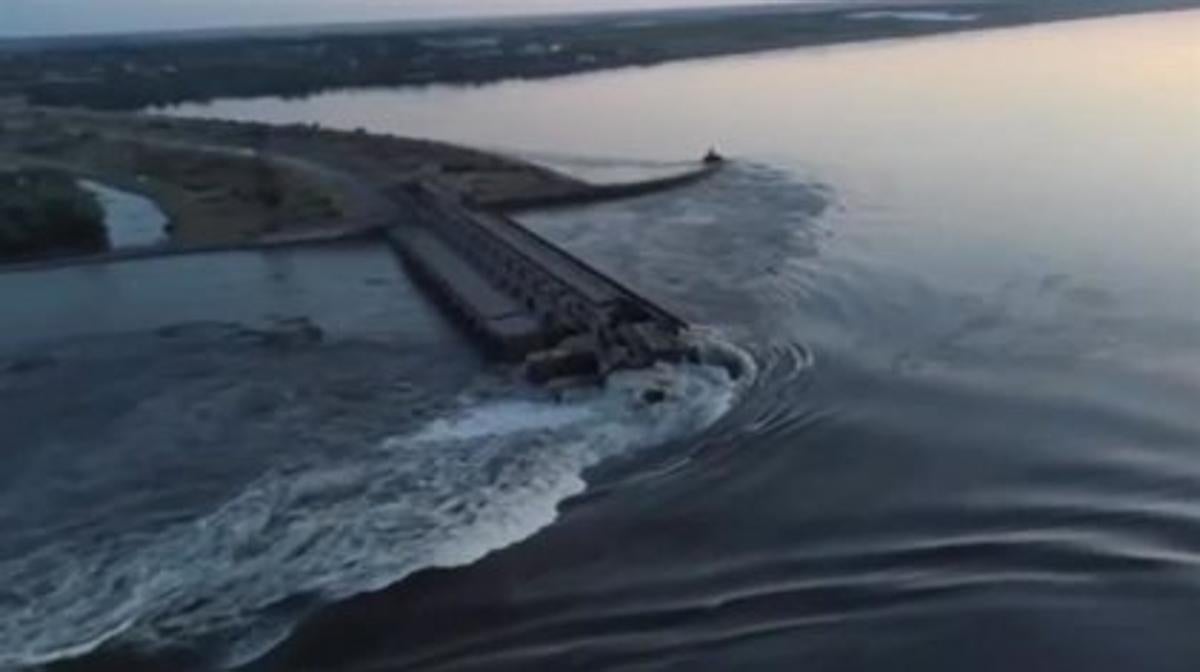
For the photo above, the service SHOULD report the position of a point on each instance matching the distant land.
(423, 24)
(34, 18)
(130, 72)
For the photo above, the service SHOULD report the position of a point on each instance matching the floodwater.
(132, 220)
(964, 270)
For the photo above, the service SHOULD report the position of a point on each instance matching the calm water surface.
(966, 271)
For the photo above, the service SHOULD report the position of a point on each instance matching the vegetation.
(46, 212)
(134, 72)
(137, 72)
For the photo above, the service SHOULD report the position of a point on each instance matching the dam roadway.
(525, 298)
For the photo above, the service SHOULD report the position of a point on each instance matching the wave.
(482, 477)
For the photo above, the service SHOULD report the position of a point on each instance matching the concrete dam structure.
(441, 207)
(527, 299)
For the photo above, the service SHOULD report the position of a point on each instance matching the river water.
(965, 269)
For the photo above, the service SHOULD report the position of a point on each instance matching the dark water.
(966, 270)
(167, 426)
(201, 450)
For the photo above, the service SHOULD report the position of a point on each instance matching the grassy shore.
(223, 183)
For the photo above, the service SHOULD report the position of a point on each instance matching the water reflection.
(1066, 148)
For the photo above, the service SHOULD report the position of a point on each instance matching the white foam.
(462, 486)
(502, 418)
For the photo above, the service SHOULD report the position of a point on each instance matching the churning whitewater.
(488, 473)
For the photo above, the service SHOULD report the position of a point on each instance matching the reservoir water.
(965, 270)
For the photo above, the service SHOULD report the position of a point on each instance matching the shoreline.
(227, 184)
(164, 72)
(335, 184)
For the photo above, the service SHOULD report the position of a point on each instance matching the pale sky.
(57, 17)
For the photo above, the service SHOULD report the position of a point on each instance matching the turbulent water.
(201, 483)
(964, 270)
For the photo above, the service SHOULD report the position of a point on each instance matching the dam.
(445, 210)
(526, 299)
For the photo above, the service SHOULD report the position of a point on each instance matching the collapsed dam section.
(527, 299)
(442, 208)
